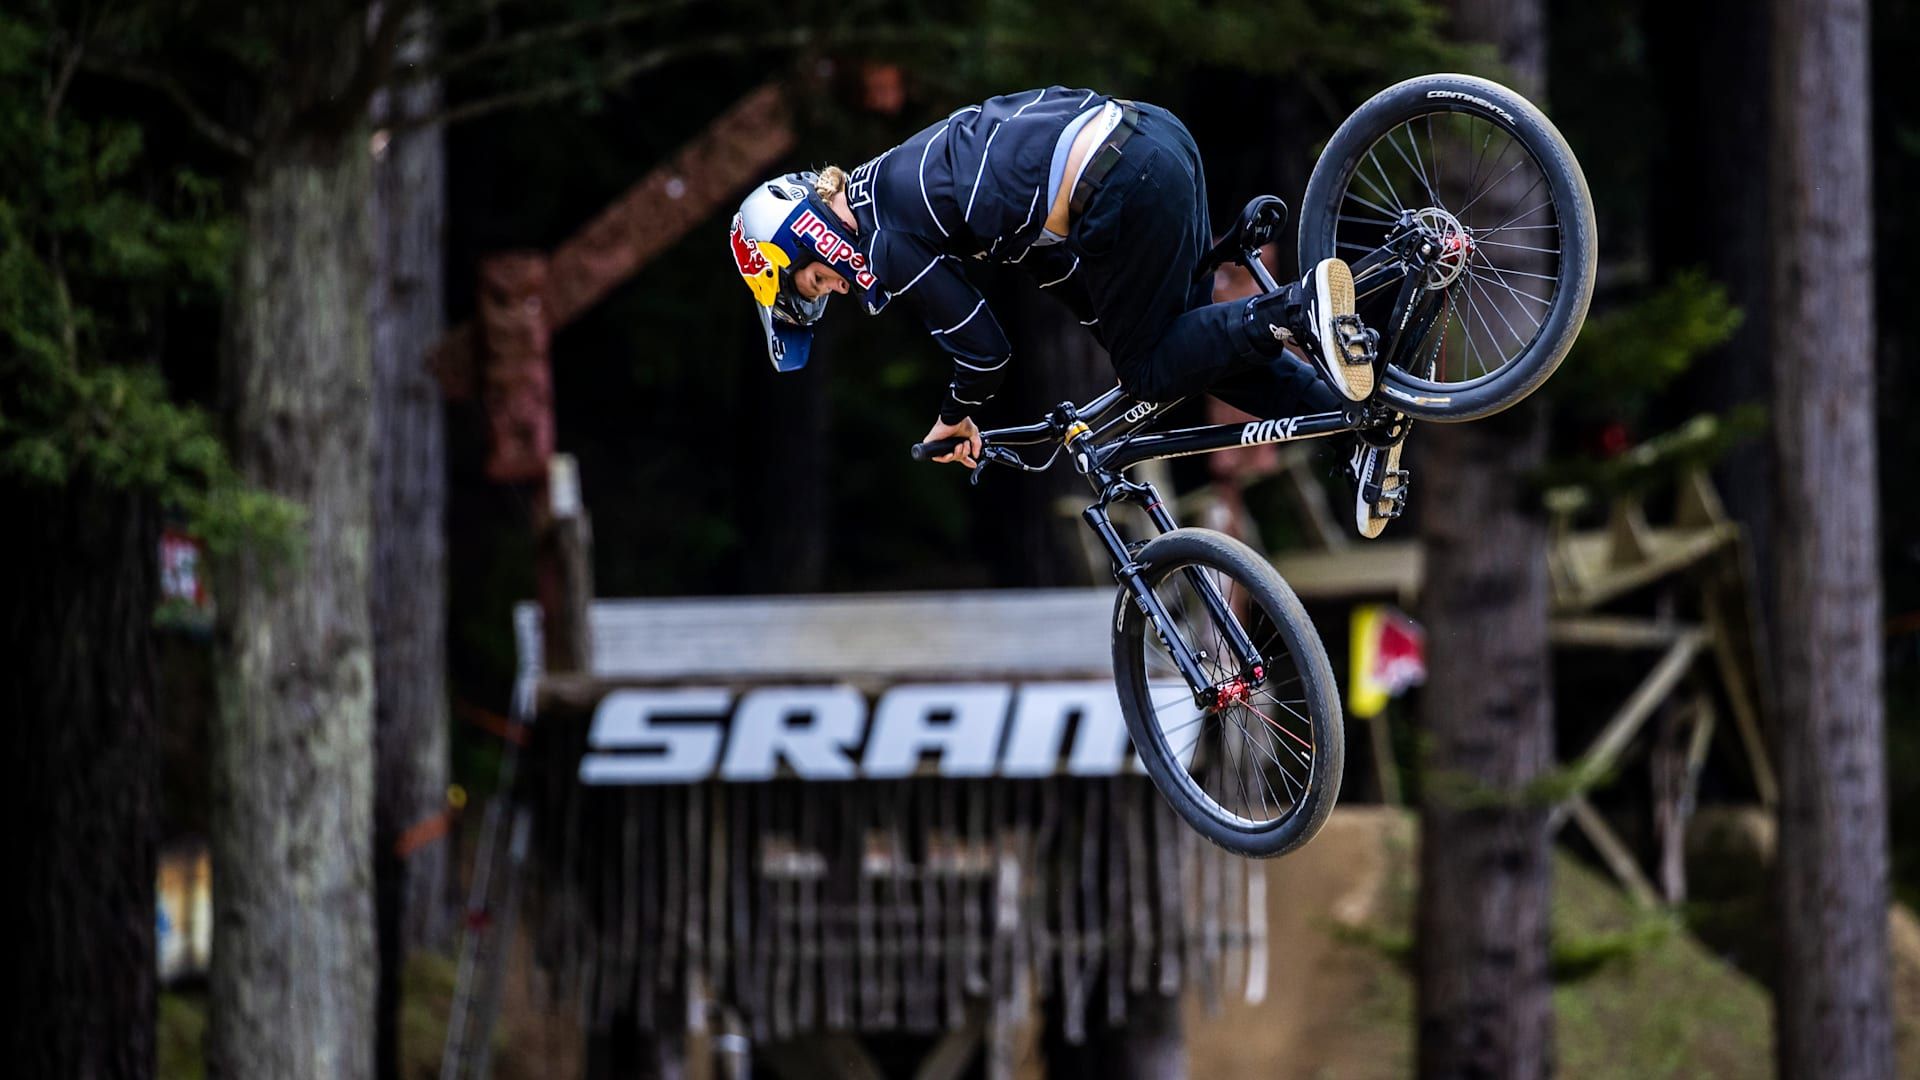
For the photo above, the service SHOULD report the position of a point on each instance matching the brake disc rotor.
(1453, 244)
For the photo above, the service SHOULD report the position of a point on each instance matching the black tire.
(1295, 660)
(1351, 177)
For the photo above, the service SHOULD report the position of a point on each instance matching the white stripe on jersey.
(965, 321)
(923, 178)
(1065, 276)
(988, 149)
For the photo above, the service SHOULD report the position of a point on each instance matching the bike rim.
(1248, 764)
(1478, 174)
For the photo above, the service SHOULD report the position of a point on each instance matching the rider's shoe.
(1317, 314)
(1380, 486)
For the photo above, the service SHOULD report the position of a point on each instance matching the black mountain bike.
(1470, 232)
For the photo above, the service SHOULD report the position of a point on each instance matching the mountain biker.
(1103, 202)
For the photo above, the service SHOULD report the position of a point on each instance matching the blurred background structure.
(354, 355)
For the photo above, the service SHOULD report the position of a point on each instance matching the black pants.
(1126, 270)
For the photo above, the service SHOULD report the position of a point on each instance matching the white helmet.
(782, 226)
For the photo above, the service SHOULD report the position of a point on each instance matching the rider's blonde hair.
(831, 181)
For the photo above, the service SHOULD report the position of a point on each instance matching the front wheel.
(1470, 231)
(1256, 772)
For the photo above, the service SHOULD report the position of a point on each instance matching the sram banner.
(687, 734)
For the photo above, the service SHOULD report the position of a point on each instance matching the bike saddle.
(1259, 224)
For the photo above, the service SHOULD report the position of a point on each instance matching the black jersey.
(970, 186)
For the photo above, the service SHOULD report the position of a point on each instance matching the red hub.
(1234, 691)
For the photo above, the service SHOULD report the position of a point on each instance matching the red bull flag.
(1389, 655)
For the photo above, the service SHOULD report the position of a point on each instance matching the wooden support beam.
(1740, 682)
(1696, 503)
(516, 370)
(1614, 852)
(1653, 689)
(1629, 539)
(563, 570)
(739, 146)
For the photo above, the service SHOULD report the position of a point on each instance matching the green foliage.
(1576, 955)
(1619, 369)
(94, 243)
(1626, 356)
(1571, 483)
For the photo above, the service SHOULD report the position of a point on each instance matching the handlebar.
(996, 444)
(927, 451)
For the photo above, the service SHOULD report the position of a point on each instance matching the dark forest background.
(152, 158)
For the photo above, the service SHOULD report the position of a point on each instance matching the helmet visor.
(788, 343)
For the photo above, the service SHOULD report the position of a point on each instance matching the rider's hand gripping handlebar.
(927, 451)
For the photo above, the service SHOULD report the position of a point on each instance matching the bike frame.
(1107, 435)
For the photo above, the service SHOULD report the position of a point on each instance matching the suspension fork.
(1223, 615)
(1128, 573)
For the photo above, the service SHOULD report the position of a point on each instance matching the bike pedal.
(1358, 344)
(1395, 500)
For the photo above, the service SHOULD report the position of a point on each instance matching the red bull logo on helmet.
(759, 262)
(745, 255)
(833, 248)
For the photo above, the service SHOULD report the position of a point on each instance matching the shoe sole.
(1333, 287)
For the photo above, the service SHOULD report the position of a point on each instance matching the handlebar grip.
(927, 451)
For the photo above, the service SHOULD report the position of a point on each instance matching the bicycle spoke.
(1277, 764)
(1518, 247)
(1392, 195)
(1462, 212)
(1432, 154)
(1474, 307)
(1500, 280)
(1518, 340)
(1555, 278)
(1521, 214)
(1418, 173)
(1482, 156)
(1367, 203)
(1355, 219)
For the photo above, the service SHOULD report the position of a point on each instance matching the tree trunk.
(1832, 996)
(292, 984)
(1485, 1001)
(79, 696)
(407, 602)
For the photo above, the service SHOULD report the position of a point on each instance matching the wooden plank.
(1378, 570)
(1615, 632)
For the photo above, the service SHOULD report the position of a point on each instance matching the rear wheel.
(1476, 171)
(1258, 772)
